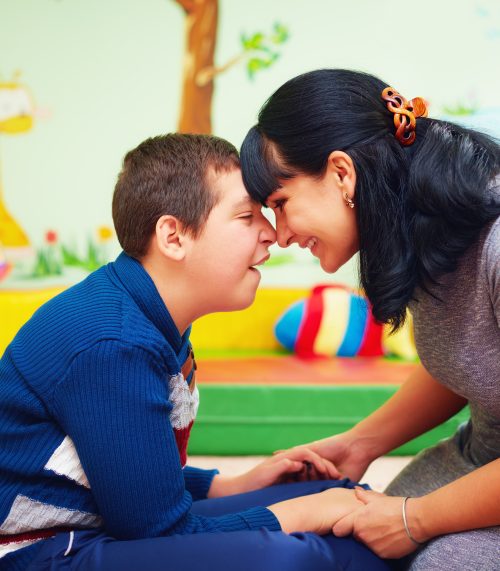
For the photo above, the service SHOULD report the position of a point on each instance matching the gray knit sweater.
(458, 341)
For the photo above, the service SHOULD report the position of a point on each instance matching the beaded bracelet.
(406, 523)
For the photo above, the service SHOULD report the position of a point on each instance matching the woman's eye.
(279, 205)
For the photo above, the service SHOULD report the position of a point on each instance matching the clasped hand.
(294, 465)
(377, 523)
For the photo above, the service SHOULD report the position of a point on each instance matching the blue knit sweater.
(86, 418)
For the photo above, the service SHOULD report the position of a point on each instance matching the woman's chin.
(329, 266)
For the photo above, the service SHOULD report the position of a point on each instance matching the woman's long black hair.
(418, 207)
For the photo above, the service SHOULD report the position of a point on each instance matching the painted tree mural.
(259, 51)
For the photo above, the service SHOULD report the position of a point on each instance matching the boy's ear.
(170, 238)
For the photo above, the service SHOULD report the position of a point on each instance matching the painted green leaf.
(253, 42)
(280, 35)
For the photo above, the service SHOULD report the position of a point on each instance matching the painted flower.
(51, 237)
(104, 233)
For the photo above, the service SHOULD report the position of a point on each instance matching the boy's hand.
(296, 464)
(349, 455)
(317, 513)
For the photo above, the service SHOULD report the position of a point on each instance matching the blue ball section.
(287, 328)
(358, 316)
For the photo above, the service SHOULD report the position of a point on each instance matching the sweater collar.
(138, 283)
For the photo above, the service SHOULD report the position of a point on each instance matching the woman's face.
(313, 213)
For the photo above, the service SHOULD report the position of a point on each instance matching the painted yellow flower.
(104, 233)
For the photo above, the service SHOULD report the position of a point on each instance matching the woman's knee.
(475, 550)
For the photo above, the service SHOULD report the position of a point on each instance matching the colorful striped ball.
(333, 321)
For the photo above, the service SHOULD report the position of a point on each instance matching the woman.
(349, 165)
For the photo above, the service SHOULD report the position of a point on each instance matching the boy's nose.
(269, 233)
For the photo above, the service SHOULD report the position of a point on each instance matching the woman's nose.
(283, 233)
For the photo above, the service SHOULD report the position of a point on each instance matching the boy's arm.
(114, 404)
(198, 481)
(298, 464)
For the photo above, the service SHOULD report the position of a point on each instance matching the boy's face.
(236, 237)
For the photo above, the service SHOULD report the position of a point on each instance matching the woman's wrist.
(419, 519)
(365, 444)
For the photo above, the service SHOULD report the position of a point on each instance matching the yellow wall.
(16, 307)
(250, 329)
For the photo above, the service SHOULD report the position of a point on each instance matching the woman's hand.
(317, 513)
(296, 464)
(349, 454)
(378, 523)
(420, 404)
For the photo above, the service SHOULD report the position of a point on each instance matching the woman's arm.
(471, 502)
(419, 405)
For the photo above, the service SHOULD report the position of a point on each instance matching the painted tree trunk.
(201, 36)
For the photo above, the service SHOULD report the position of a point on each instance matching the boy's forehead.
(230, 189)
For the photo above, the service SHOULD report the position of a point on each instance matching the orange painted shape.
(291, 370)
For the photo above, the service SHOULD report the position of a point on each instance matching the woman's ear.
(340, 165)
(170, 238)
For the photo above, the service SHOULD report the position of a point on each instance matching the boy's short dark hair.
(167, 174)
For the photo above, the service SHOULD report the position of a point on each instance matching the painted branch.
(208, 74)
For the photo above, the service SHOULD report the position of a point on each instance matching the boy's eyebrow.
(244, 203)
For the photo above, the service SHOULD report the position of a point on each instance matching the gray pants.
(476, 550)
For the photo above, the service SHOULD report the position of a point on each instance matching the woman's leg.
(476, 550)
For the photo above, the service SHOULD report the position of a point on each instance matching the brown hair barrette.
(405, 114)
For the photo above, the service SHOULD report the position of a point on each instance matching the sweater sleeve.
(198, 481)
(114, 404)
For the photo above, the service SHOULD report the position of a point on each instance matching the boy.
(98, 393)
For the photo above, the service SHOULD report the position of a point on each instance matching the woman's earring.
(348, 201)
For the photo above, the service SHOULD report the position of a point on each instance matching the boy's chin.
(237, 303)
